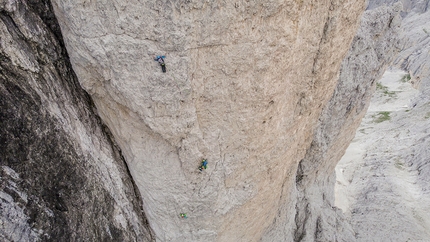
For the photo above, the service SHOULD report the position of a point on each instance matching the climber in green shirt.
(204, 165)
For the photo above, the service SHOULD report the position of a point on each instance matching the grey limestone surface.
(62, 177)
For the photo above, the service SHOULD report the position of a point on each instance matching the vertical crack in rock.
(62, 177)
(322, 40)
(300, 174)
(301, 220)
(135, 194)
(318, 230)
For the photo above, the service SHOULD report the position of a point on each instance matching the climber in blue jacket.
(160, 59)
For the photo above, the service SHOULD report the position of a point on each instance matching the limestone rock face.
(373, 48)
(383, 178)
(416, 6)
(61, 176)
(416, 49)
(246, 82)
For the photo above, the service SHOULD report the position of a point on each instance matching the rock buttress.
(245, 85)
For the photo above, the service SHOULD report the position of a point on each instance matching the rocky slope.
(62, 178)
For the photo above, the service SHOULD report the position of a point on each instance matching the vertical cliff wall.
(246, 82)
(61, 176)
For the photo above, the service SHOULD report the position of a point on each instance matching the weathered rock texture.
(373, 48)
(245, 87)
(416, 6)
(415, 54)
(61, 177)
(246, 83)
(383, 179)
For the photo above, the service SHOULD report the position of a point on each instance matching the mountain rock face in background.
(62, 178)
(415, 54)
(409, 6)
(373, 48)
(245, 86)
(383, 180)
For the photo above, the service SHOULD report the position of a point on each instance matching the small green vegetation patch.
(381, 117)
(380, 87)
(427, 115)
(406, 78)
(399, 165)
(384, 90)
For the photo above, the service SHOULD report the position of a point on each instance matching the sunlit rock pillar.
(246, 82)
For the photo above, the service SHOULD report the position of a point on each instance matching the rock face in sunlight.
(246, 83)
(61, 176)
